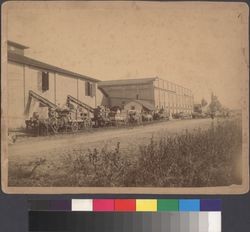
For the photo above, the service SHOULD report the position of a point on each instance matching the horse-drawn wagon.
(134, 117)
(161, 115)
(58, 119)
(101, 116)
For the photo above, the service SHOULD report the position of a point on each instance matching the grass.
(194, 158)
(201, 158)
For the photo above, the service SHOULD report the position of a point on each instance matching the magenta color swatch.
(103, 205)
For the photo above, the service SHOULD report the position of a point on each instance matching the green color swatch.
(167, 205)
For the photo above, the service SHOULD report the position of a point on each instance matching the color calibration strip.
(127, 205)
(125, 215)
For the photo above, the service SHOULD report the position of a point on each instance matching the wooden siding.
(172, 97)
(16, 99)
(22, 78)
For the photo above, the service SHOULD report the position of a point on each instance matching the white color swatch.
(214, 222)
(82, 205)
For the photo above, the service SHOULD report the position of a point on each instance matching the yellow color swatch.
(146, 205)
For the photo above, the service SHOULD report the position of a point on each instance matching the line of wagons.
(76, 116)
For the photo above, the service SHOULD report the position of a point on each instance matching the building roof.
(145, 104)
(126, 82)
(38, 64)
(136, 81)
(17, 45)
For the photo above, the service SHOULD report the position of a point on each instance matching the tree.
(215, 104)
(203, 102)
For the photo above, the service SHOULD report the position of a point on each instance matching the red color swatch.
(125, 205)
(103, 205)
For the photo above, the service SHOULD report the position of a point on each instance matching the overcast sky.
(203, 47)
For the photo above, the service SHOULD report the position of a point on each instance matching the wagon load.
(161, 114)
(139, 110)
(101, 116)
(73, 116)
(68, 119)
(81, 113)
(41, 114)
(147, 117)
(118, 117)
(134, 117)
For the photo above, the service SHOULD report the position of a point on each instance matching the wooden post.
(77, 90)
(55, 87)
(24, 101)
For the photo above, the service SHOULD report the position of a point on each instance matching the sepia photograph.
(125, 97)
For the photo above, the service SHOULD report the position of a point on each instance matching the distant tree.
(203, 102)
(215, 104)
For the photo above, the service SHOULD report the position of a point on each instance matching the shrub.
(98, 168)
(200, 158)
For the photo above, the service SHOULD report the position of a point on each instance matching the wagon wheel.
(87, 124)
(139, 120)
(74, 126)
(54, 124)
(126, 122)
(90, 123)
(61, 122)
(43, 127)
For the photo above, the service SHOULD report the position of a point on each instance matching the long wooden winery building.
(33, 85)
(152, 93)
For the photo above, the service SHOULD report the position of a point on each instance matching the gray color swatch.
(184, 222)
(165, 221)
(137, 222)
(203, 222)
(156, 222)
(194, 221)
(175, 222)
(147, 222)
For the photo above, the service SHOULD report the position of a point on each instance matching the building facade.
(50, 82)
(158, 92)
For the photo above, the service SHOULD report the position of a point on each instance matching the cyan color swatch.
(189, 205)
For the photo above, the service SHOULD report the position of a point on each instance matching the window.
(137, 96)
(132, 107)
(45, 81)
(89, 89)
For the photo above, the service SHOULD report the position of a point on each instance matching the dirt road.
(129, 138)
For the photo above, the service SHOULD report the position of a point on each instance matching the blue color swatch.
(189, 205)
